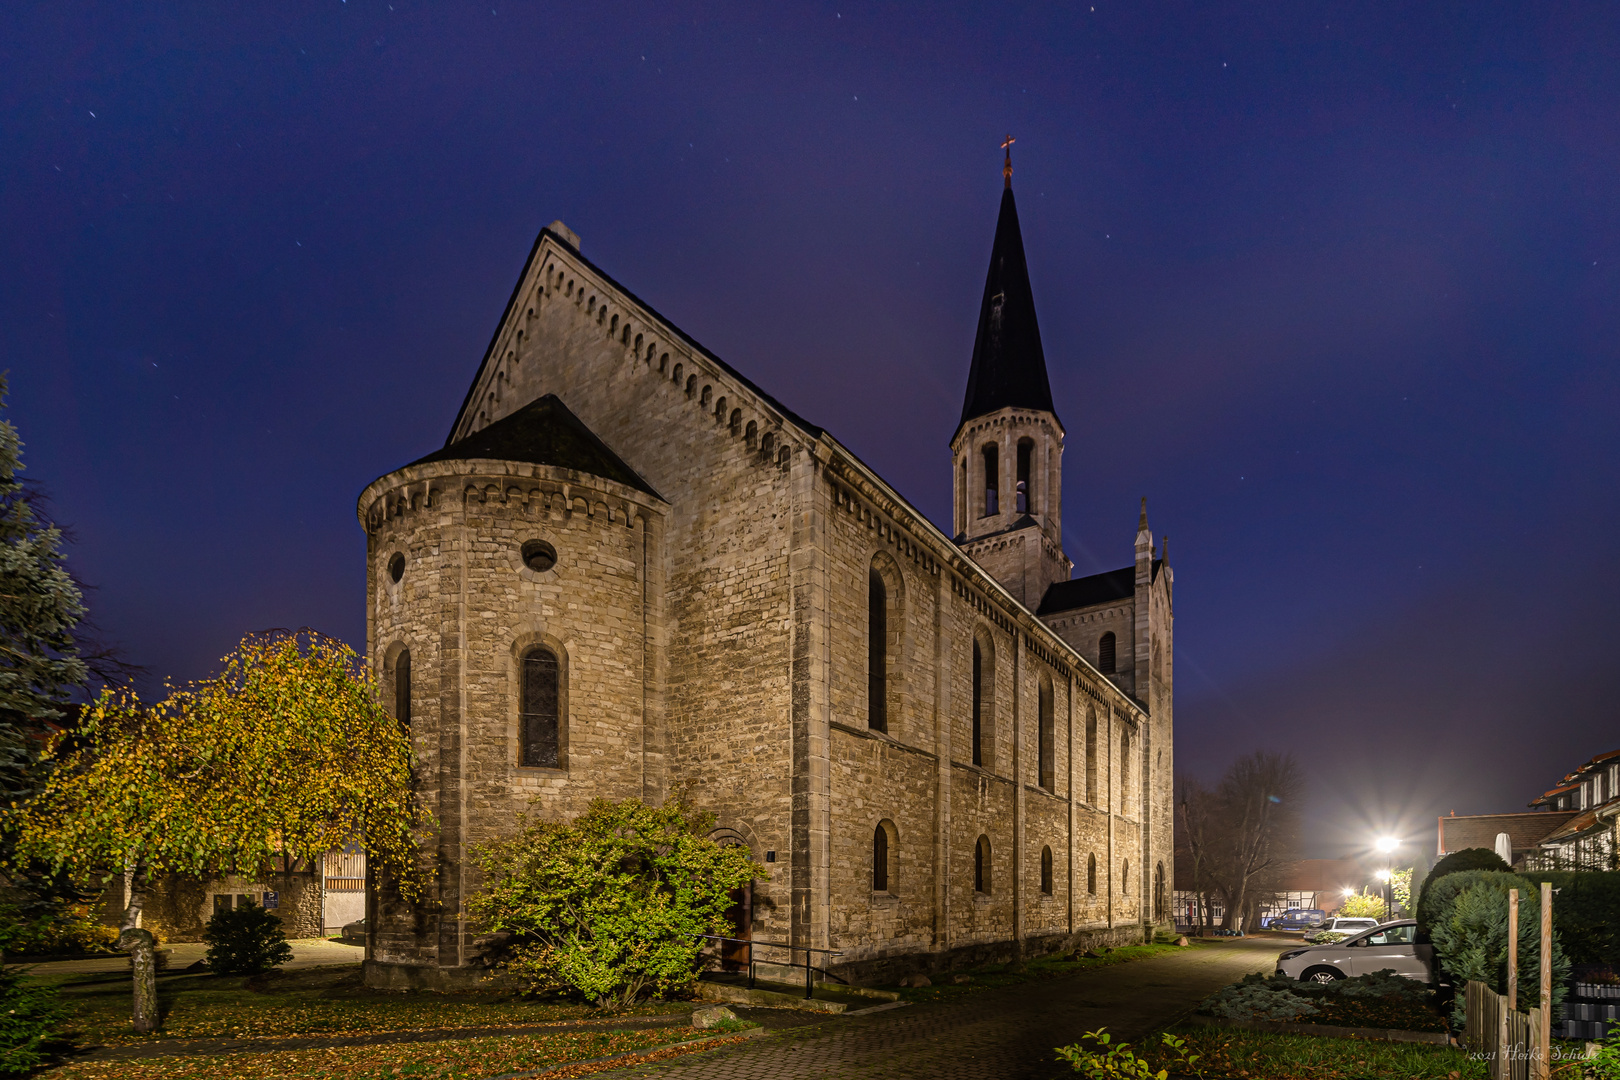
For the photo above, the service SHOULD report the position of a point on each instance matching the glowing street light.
(1387, 844)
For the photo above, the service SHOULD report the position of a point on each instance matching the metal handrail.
(809, 984)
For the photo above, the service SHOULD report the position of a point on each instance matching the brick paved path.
(1004, 1034)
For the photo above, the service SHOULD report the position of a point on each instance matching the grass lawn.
(1259, 1055)
(307, 1001)
(455, 1059)
(1050, 967)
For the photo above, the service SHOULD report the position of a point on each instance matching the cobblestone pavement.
(1006, 1034)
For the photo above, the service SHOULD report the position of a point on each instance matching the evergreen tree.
(39, 607)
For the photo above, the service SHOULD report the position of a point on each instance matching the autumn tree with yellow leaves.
(284, 756)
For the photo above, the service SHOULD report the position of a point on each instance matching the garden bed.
(1384, 1002)
(1264, 1055)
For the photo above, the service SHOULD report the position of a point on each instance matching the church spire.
(1009, 366)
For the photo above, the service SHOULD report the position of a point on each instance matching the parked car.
(354, 933)
(1298, 919)
(1345, 927)
(1391, 945)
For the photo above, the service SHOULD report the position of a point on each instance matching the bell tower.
(1007, 453)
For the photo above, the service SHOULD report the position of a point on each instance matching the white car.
(1346, 926)
(1391, 945)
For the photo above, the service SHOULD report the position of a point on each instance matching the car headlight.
(1291, 955)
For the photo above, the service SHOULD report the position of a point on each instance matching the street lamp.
(1386, 844)
(1384, 876)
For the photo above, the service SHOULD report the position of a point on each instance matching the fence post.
(1544, 1027)
(1513, 949)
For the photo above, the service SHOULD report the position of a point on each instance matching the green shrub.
(29, 1013)
(1119, 1062)
(610, 906)
(1473, 858)
(245, 941)
(1470, 936)
(1261, 1000)
(1586, 914)
(1362, 906)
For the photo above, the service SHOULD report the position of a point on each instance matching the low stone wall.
(888, 970)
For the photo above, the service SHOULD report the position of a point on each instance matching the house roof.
(1094, 589)
(1573, 827)
(1550, 793)
(1009, 365)
(1525, 829)
(544, 432)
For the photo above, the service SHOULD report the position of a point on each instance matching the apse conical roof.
(1009, 366)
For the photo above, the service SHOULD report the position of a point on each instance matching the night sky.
(1333, 285)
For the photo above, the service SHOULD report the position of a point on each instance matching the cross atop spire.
(1006, 168)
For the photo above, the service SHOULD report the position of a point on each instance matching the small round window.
(396, 567)
(539, 556)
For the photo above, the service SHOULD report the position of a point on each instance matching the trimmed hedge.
(1586, 914)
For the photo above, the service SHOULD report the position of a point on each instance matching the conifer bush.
(29, 1014)
(245, 941)
(611, 905)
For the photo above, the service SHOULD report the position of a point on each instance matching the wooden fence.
(345, 871)
(1504, 1037)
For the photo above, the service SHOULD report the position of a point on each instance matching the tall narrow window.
(1125, 772)
(537, 710)
(1091, 758)
(1091, 874)
(1044, 738)
(877, 652)
(1105, 653)
(1158, 893)
(1125, 877)
(1046, 870)
(1026, 476)
(880, 859)
(992, 483)
(962, 495)
(981, 865)
(402, 688)
(978, 706)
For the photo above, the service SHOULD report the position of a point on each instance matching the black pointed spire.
(1009, 366)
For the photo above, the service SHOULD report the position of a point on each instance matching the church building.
(631, 572)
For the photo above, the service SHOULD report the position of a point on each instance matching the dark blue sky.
(1333, 285)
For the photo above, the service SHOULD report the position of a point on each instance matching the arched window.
(1125, 772)
(880, 859)
(1125, 877)
(1105, 653)
(992, 471)
(1091, 874)
(981, 866)
(538, 720)
(402, 688)
(877, 652)
(962, 493)
(1026, 481)
(1046, 870)
(1091, 759)
(978, 705)
(1046, 757)
(1158, 893)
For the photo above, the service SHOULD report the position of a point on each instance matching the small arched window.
(981, 866)
(992, 469)
(1105, 653)
(1091, 874)
(539, 743)
(626, 339)
(703, 398)
(1046, 870)
(767, 445)
(402, 688)
(880, 859)
(877, 651)
(677, 373)
(613, 325)
(1045, 737)
(638, 343)
(735, 424)
(720, 409)
(751, 434)
(691, 385)
(1026, 478)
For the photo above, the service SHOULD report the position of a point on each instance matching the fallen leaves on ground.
(452, 1059)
